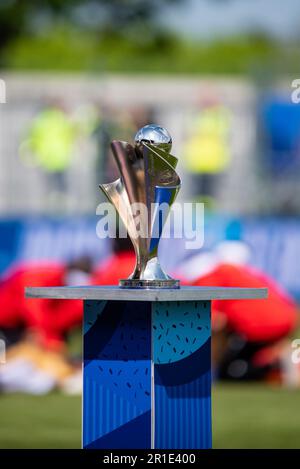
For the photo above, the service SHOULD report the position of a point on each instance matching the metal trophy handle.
(148, 181)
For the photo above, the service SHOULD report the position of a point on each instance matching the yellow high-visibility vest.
(51, 140)
(207, 149)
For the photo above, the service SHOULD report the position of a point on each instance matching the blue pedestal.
(147, 379)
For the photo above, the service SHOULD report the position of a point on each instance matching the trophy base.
(149, 284)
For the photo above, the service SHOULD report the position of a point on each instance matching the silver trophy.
(147, 180)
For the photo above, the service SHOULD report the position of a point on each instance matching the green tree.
(112, 17)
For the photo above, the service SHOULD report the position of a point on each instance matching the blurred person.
(103, 135)
(124, 123)
(281, 126)
(110, 123)
(280, 152)
(206, 151)
(51, 142)
(35, 329)
(250, 338)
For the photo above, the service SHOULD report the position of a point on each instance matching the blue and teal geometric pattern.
(117, 375)
(124, 343)
(179, 329)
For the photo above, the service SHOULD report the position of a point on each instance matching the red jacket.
(257, 320)
(50, 318)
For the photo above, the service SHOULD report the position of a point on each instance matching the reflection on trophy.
(148, 181)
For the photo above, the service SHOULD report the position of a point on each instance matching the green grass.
(244, 416)
(255, 416)
(51, 421)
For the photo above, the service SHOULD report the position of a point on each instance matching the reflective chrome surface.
(154, 135)
(147, 176)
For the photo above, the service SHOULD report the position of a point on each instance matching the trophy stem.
(149, 284)
(148, 273)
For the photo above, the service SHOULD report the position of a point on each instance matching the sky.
(219, 18)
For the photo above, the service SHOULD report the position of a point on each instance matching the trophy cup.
(148, 180)
(146, 346)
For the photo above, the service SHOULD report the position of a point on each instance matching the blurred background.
(218, 75)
